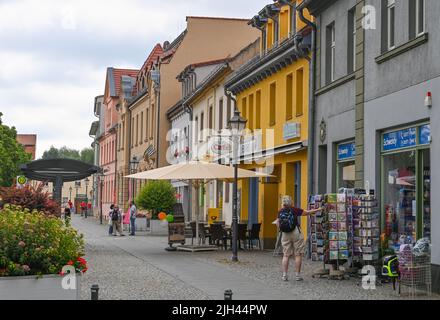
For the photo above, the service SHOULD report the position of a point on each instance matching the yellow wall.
(284, 24)
(280, 110)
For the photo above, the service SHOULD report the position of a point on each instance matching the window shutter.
(412, 19)
(384, 26)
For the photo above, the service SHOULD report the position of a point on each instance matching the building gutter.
(312, 99)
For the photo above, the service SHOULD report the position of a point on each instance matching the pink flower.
(21, 244)
(26, 268)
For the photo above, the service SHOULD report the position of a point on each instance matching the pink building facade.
(108, 139)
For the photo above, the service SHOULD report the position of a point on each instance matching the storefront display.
(406, 185)
(318, 231)
(345, 169)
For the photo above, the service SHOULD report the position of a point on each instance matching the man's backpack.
(288, 221)
(115, 215)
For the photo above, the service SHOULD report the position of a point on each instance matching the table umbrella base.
(197, 248)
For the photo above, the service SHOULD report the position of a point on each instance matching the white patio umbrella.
(197, 171)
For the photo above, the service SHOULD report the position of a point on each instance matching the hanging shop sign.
(406, 138)
(425, 134)
(346, 151)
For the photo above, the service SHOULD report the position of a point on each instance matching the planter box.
(157, 229)
(32, 288)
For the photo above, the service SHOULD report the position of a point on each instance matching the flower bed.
(32, 243)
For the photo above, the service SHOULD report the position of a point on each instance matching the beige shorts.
(293, 243)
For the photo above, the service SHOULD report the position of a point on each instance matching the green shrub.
(157, 196)
(32, 243)
(32, 198)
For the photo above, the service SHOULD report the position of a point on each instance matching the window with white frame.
(333, 53)
(391, 13)
(420, 17)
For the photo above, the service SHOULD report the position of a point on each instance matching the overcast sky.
(54, 55)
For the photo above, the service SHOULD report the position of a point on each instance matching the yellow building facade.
(272, 94)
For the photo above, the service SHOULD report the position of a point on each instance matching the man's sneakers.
(285, 278)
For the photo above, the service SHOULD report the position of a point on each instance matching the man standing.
(292, 239)
(133, 214)
(83, 208)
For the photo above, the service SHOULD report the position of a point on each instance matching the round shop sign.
(22, 180)
(220, 145)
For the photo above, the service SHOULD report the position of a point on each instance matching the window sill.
(402, 49)
(336, 84)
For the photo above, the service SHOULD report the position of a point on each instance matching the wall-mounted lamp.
(428, 99)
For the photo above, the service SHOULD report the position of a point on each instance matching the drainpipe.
(312, 99)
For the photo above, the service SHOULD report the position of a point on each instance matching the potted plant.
(40, 257)
(157, 197)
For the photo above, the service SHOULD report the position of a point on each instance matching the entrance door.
(253, 201)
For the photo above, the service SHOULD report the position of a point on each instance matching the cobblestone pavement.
(139, 268)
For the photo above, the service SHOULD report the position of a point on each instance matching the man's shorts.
(293, 243)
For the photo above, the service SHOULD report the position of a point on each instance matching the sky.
(54, 56)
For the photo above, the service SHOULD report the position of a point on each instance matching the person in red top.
(83, 208)
(89, 208)
(70, 204)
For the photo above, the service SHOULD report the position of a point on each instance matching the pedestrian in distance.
(83, 208)
(292, 239)
(89, 208)
(67, 214)
(133, 214)
(110, 220)
(117, 221)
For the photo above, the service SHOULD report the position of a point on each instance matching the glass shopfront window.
(345, 167)
(406, 185)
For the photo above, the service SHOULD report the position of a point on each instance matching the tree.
(12, 154)
(157, 196)
(87, 154)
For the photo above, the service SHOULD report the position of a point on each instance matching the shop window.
(345, 166)
(400, 196)
(406, 182)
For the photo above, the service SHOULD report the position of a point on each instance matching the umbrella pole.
(197, 211)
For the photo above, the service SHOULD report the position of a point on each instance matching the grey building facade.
(375, 123)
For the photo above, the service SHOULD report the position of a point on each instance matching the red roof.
(154, 54)
(118, 73)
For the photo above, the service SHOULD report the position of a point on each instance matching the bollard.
(228, 295)
(95, 292)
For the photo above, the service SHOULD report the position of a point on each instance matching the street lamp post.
(70, 193)
(101, 182)
(237, 124)
(134, 164)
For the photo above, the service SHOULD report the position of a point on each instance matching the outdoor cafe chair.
(254, 234)
(203, 234)
(218, 233)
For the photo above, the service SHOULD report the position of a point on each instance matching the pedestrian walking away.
(117, 221)
(292, 239)
(133, 214)
(83, 208)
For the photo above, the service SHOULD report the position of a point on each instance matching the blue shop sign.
(346, 151)
(400, 139)
(425, 134)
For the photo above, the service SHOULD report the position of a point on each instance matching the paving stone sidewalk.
(139, 268)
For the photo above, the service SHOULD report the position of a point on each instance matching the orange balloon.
(162, 216)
